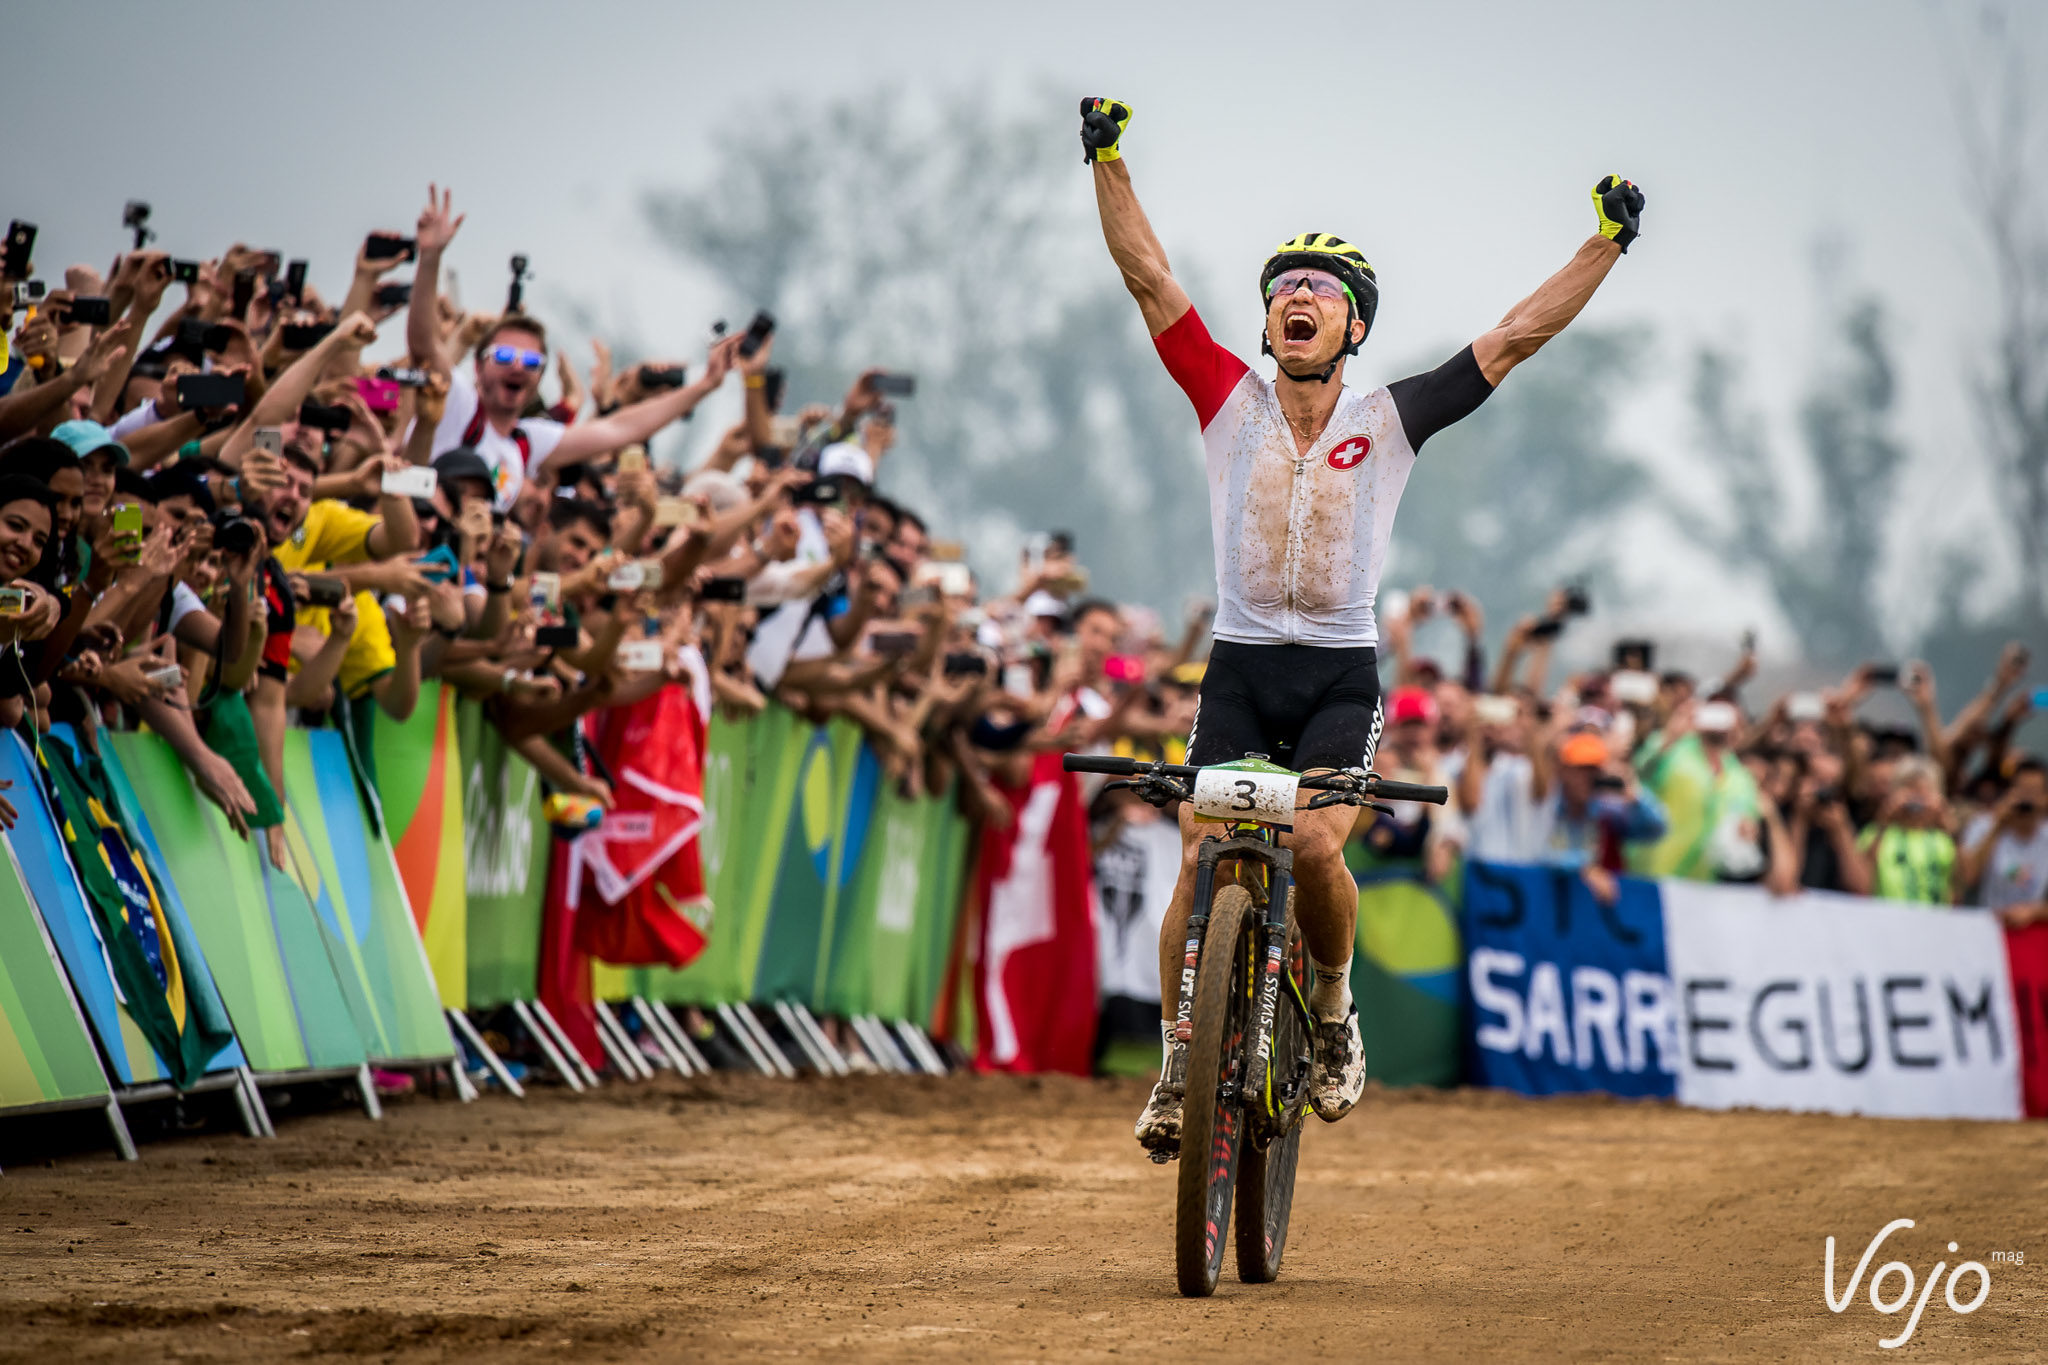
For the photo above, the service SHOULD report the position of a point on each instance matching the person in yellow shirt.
(318, 535)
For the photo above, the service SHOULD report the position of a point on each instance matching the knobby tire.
(1212, 1129)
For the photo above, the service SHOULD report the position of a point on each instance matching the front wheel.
(1212, 1114)
(1265, 1176)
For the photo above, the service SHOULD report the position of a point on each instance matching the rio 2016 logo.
(1904, 1273)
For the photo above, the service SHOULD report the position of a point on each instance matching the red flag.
(565, 968)
(644, 860)
(2026, 953)
(1036, 889)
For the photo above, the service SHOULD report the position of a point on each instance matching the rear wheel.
(1212, 1115)
(1265, 1176)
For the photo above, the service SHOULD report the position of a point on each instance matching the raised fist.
(1102, 126)
(1619, 204)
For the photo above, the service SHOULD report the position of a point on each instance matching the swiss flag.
(1036, 979)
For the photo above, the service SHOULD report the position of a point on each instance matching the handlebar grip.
(1100, 763)
(1410, 791)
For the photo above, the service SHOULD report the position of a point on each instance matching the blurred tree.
(2001, 139)
(1822, 573)
(948, 241)
(1527, 491)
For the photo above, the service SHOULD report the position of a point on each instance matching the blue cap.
(86, 437)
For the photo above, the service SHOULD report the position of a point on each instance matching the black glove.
(1619, 204)
(1102, 126)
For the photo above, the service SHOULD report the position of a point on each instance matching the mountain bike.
(1243, 1005)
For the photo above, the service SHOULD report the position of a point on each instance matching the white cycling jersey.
(1300, 537)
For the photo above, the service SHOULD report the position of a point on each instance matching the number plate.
(1246, 795)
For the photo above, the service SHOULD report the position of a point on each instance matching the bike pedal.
(1160, 1156)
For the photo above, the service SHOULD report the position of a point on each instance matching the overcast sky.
(1455, 142)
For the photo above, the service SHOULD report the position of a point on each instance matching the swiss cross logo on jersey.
(1349, 454)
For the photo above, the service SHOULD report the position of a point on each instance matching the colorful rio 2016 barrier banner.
(1723, 996)
(826, 886)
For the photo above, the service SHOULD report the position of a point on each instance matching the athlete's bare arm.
(1136, 251)
(1544, 313)
(1617, 203)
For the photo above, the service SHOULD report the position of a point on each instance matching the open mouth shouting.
(1299, 325)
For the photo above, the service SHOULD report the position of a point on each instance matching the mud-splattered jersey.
(1300, 537)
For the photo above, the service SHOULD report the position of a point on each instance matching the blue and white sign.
(1566, 994)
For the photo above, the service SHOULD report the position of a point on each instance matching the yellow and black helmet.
(1323, 251)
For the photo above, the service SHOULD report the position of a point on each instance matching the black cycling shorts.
(1302, 706)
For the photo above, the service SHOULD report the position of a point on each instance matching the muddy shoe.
(1337, 1076)
(1159, 1126)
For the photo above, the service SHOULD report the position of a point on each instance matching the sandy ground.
(997, 1218)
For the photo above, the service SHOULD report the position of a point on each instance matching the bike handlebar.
(1373, 785)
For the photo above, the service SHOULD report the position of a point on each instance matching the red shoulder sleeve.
(1205, 371)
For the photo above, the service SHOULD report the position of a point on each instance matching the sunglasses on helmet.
(1320, 283)
(516, 355)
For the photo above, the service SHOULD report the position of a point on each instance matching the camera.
(27, 292)
(196, 391)
(185, 272)
(304, 336)
(758, 331)
(90, 311)
(135, 217)
(295, 282)
(392, 295)
(323, 591)
(196, 337)
(233, 533)
(517, 293)
(385, 246)
(324, 416)
(1576, 602)
(723, 589)
(894, 385)
(404, 378)
(21, 244)
(654, 378)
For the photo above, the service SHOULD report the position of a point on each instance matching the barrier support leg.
(777, 1058)
(804, 1024)
(465, 1032)
(618, 1045)
(685, 1044)
(123, 1143)
(570, 1075)
(920, 1048)
(729, 1016)
(659, 1033)
(561, 1036)
(256, 1104)
(367, 1088)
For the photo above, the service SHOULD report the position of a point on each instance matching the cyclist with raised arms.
(1304, 474)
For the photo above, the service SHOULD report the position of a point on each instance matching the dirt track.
(997, 1218)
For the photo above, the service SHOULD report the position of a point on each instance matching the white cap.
(724, 491)
(1043, 603)
(844, 457)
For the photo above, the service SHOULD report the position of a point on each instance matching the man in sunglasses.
(1304, 474)
(488, 413)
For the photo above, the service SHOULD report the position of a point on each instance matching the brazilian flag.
(183, 1020)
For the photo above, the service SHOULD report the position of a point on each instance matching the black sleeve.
(1430, 402)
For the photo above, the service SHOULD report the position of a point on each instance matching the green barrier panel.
(338, 856)
(897, 924)
(794, 948)
(1405, 977)
(505, 861)
(419, 786)
(269, 957)
(948, 852)
(46, 1055)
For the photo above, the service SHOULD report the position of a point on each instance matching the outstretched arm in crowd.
(640, 421)
(1918, 685)
(1967, 730)
(436, 228)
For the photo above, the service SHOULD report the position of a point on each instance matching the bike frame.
(1258, 846)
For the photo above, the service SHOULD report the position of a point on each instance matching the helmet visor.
(1321, 283)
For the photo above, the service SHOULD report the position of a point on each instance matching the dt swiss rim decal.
(1349, 454)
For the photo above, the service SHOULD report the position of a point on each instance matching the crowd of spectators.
(246, 504)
